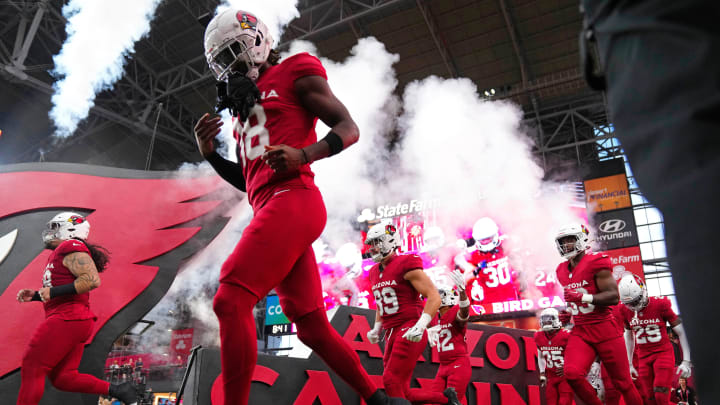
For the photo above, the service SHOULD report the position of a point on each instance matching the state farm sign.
(626, 259)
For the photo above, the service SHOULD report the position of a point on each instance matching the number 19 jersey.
(279, 118)
(396, 299)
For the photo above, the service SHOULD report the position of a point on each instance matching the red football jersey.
(67, 307)
(650, 325)
(582, 278)
(552, 348)
(451, 345)
(495, 276)
(278, 118)
(396, 298)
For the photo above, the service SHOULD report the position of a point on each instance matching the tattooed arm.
(82, 266)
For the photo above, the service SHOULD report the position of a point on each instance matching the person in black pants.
(661, 65)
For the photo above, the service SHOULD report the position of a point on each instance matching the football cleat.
(451, 396)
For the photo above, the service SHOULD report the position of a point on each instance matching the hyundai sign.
(615, 229)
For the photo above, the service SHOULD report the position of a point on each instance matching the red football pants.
(456, 375)
(275, 252)
(55, 350)
(656, 371)
(558, 392)
(582, 348)
(399, 361)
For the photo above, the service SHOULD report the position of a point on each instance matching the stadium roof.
(524, 50)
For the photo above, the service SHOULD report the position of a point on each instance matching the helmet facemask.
(581, 243)
(448, 297)
(550, 320)
(633, 292)
(382, 239)
(237, 42)
(64, 226)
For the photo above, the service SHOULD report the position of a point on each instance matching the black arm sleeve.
(229, 171)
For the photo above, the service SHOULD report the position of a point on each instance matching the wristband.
(67, 289)
(464, 303)
(334, 142)
(587, 298)
(36, 296)
(305, 156)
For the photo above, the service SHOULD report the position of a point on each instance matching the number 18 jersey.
(396, 299)
(279, 118)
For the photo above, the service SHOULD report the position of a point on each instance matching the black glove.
(239, 95)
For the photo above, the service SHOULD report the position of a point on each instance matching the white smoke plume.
(365, 83)
(473, 155)
(100, 37)
(276, 14)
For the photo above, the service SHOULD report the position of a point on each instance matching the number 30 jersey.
(649, 326)
(582, 278)
(279, 118)
(396, 299)
(552, 349)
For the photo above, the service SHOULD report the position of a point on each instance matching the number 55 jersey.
(582, 279)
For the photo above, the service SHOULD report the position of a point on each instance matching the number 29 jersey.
(582, 279)
(649, 327)
(279, 118)
(396, 299)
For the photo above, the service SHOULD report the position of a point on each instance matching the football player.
(56, 347)
(275, 106)
(398, 282)
(449, 338)
(645, 319)
(551, 340)
(487, 267)
(590, 291)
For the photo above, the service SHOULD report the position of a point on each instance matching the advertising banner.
(607, 193)
(614, 229)
(180, 344)
(626, 260)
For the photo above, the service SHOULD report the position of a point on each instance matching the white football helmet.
(550, 320)
(66, 225)
(582, 240)
(433, 238)
(383, 240)
(236, 40)
(448, 297)
(486, 234)
(633, 293)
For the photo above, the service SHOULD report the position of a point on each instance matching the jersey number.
(553, 358)
(651, 334)
(386, 301)
(583, 308)
(542, 279)
(497, 275)
(248, 134)
(445, 345)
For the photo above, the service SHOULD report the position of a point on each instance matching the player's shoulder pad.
(71, 246)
